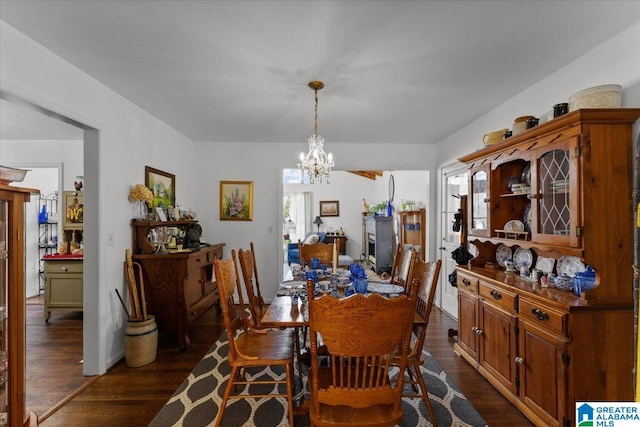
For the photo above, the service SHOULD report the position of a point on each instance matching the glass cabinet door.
(479, 202)
(554, 194)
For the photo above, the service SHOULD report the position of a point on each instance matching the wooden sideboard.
(544, 348)
(180, 287)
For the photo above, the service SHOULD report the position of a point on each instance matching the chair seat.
(274, 346)
(380, 415)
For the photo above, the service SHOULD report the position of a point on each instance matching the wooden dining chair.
(324, 251)
(250, 348)
(402, 265)
(425, 282)
(257, 307)
(361, 334)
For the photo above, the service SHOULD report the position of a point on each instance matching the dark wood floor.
(132, 396)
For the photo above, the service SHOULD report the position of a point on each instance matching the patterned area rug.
(197, 400)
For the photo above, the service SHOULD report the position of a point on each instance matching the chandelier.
(316, 163)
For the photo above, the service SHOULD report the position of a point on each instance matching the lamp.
(317, 222)
(317, 164)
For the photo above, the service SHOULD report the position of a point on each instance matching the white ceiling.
(394, 71)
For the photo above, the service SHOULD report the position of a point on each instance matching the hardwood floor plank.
(133, 396)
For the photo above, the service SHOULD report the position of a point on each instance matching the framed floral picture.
(236, 200)
(330, 208)
(162, 185)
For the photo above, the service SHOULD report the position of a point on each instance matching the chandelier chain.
(315, 128)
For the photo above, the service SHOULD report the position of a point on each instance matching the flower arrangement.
(140, 193)
(236, 205)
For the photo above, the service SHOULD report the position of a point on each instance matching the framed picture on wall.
(236, 200)
(162, 185)
(330, 208)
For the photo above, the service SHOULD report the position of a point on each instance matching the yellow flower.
(140, 193)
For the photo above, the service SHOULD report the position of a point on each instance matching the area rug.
(197, 400)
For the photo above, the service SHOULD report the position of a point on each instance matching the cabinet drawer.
(201, 306)
(467, 283)
(499, 297)
(541, 315)
(64, 292)
(197, 261)
(63, 267)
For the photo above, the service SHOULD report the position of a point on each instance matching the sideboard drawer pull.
(496, 295)
(466, 282)
(540, 315)
(63, 268)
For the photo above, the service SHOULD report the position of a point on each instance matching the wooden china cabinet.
(542, 347)
(13, 411)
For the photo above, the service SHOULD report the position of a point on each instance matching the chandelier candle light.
(317, 164)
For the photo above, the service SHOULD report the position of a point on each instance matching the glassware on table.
(360, 284)
(312, 275)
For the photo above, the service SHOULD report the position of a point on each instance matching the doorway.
(34, 137)
(454, 184)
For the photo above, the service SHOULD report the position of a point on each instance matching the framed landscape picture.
(162, 185)
(236, 200)
(330, 208)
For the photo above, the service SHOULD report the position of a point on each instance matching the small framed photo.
(160, 214)
(162, 185)
(330, 208)
(236, 200)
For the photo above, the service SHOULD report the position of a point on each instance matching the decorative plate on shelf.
(569, 266)
(545, 264)
(503, 253)
(514, 225)
(523, 258)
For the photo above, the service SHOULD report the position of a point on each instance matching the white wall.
(615, 61)
(263, 164)
(130, 138)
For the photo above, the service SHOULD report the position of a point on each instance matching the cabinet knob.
(466, 282)
(474, 328)
(486, 200)
(532, 196)
(519, 360)
(496, 295)
(479, 331)
(63, 268)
